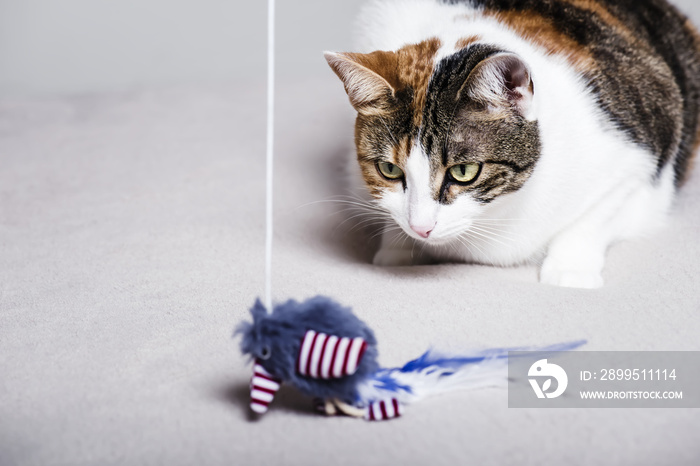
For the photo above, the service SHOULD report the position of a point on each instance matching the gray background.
(78, 46)
(131, 243)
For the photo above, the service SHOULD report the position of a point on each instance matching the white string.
(270, 146)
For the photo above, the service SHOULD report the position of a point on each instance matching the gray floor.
(131, 244)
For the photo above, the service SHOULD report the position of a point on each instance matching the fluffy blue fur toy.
(326, 352)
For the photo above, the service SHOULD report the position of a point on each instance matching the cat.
(506, 132)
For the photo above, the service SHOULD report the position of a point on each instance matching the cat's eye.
(465, 172)
(389, 170)
(265, 352)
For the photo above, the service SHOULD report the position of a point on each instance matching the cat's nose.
(423, 231)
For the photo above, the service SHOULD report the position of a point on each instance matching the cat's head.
(439, 141)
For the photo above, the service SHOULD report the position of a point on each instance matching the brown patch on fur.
(541, 31)
(410, 67)
(604, 14)
(415, 66)
(692, 161)
(466, 42)
(369, 79)
(537, 29)
(611, 20)
(693, 31)
(383, 63)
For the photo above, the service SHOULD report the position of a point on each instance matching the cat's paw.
(393, 257)
(577, 264)
(587, 279)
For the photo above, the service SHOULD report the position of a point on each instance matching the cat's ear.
(367, 78)
(503, 82)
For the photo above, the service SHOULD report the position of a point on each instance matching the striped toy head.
(260, 342)
(320, 356)
(317, 346)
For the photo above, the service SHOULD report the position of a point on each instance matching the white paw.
(393, 257)
(588, 279)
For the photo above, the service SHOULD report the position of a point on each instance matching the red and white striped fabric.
(383, 410)
(324, 356)
(263, 387)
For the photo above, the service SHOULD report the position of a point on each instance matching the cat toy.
(326, 352)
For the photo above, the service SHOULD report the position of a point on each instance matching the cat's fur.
(581, 114)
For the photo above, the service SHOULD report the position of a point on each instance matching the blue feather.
(433, 372)
(385, 381)
(430, 359)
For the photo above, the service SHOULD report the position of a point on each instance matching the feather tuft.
(433, 373)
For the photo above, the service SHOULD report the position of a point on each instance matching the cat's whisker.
(346, 199)
(505, 235)
(366, 218)
(367, 224)
(455, 246)
(401, 236)
(369, 212)
(485, 238)
(422, 248)
(497, 219)
(372, 214)
(387, 230)
(468, 243)
(364, 208)
(498, 232)
(335, 199)
(451, 245)
(354, 212)
(495, 226)
(495, 223)
(460, 228)
(406, 238)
